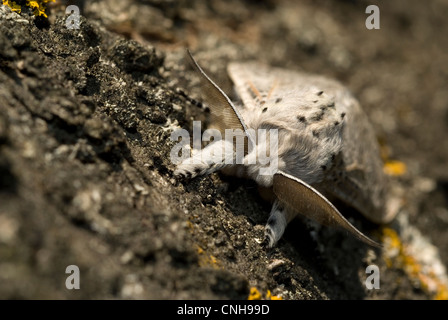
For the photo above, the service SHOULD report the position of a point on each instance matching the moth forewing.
(357, 177)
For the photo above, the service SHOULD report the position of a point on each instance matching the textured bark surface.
(85, 174)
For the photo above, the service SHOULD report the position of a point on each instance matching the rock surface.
(85, 174)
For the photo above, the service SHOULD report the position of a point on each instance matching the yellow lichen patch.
(395, 168)
(207, 260)
(256, 295)
(12, 4)
(442, 293)
(190, 226)
(37, 6)
(38, 9)
(398, 255)
(269, 296)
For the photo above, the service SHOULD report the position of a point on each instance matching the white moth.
(326, 146)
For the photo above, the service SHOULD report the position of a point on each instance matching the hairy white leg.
(277, 222)
(215, 156)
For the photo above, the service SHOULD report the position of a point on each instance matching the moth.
(326, 147)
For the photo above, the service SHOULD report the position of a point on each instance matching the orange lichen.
(395, 168)
(442, 293)
(400, 257)
(256, 295)
(269, 296)
(37, 6)
(12, 4)
(207, 260)
(391, 167)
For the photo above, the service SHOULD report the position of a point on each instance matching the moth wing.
(224, 113)
(357, 177)
(257, 83)
(304, 199)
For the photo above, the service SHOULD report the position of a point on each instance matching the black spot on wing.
(318, 117)
(278, 100)
(252, 93)
(329, 105)
(268, 125)
(264, 110)
(301, 119)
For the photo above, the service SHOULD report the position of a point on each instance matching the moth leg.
(213, 157)
(277, 222)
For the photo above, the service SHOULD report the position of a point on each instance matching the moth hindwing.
(325, 145)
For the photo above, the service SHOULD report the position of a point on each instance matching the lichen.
(398, 255)
(395, 168)
(207, 260)
(38, 6)
(269, 296)
(13, 5)
(254, 294)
